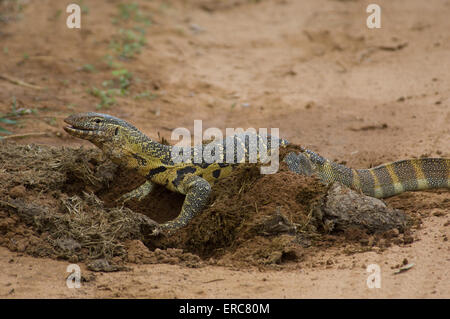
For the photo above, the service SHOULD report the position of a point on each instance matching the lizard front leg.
(138, 193)
(197, 192)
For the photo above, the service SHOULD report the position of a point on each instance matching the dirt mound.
(272, 219)
(61, 203)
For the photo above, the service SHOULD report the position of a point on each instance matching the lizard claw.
(157, 231)
(131, 195)
(160, 230)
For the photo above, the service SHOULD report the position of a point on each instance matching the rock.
(342, 209)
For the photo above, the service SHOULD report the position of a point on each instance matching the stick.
(24, 135)
(20, 82)
(7, 204)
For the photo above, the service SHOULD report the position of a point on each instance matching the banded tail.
(382, 181)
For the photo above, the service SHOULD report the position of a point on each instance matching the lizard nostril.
(116, 131)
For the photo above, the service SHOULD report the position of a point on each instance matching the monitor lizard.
(125, 145)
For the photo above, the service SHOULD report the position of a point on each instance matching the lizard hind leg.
(197, 192)
(299, 163)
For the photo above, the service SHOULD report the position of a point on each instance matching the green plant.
(88, 68)
(15, 112)
(57, 14)
(128, 43)
(106, 97)
(146, 95)
(125, 45)
(121, 81)
(131, 11)
(4, 119)
(124, 77)
(84, 8)
(111, 62)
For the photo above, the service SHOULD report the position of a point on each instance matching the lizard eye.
(97, 121)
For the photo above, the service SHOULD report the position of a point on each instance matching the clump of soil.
(272, 219)
(49, 207)
(252, 217)
(61, 203)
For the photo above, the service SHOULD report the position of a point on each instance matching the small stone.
(408, 239)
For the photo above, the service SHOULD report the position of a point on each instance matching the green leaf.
(120, 72)
(4, 131)
(7, 121)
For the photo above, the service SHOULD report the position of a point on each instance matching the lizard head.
(99, 128)
(122, 142)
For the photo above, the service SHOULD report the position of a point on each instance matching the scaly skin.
(125, 145)
(382, 181)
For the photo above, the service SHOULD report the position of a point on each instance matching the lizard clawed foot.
(157, 231)
(131, 195)
(138, 194)
(163, 230)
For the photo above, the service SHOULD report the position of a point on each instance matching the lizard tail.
(382, 181)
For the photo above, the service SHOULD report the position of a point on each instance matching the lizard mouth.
(77, 131)
(70, 128)
(87, 134)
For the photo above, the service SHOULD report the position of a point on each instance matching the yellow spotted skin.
(125, 145)
(382, 181)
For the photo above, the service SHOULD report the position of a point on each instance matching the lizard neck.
(155, 150)
(136, 151)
